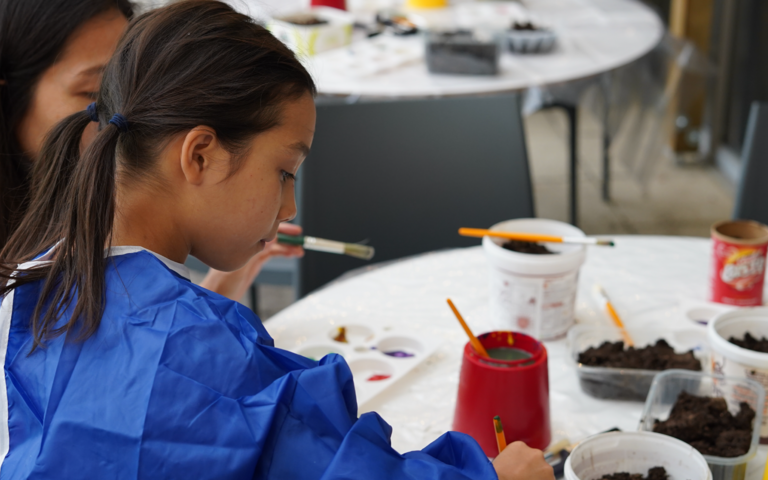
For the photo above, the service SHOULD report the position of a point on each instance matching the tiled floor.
(676, 201)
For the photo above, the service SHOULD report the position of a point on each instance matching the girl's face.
(70, 84)
(234, 216)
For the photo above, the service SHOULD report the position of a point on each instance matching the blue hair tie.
(120, 122)
(92, 112)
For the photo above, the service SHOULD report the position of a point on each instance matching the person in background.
(115, 365)
(52, 55)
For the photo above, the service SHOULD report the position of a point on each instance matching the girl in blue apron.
(115, 365)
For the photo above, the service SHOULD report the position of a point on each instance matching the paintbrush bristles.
(359, 251)
(606, 243)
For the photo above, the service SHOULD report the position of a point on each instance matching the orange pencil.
(501, 440)
(532, 237)
(472, 338)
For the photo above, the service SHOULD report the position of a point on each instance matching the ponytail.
(72, 208)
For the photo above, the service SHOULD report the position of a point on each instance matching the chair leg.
(253, 291)
(606, 90)
(572, 114)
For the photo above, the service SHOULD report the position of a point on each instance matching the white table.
(594, 36)
(646, 277)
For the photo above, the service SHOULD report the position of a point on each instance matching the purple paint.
(398, 354)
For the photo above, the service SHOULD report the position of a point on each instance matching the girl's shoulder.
(143, 284)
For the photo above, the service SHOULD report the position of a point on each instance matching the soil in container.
(751, 343)
(706, 424)
(622, 383)
(306, 20)
(660, 356)
(527, 247)
(655, 473)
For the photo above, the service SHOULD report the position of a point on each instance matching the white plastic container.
(668, 385)
(635, 452)
(534, 294)
(733, 361)
(308, 40)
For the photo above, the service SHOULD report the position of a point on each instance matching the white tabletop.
(594, 36)
(646, 277)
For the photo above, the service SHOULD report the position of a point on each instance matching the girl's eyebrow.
(301, 147)
(95, 70)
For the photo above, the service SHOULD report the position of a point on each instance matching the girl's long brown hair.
(196, 62)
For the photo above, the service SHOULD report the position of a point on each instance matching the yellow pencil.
(501, 440)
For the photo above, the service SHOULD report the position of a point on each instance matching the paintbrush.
(533, 237)
(614, 315)
(472, 338)
(330, 246)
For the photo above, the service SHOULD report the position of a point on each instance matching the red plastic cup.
(340, 4)
(738, 262)
(516, 390)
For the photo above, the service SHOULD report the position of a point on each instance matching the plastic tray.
(369, 353)
(627, 383)
(668, 385)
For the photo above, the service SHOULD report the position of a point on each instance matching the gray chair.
(752, 194)
(405, 175)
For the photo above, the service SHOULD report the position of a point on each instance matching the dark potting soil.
(527, 247)
(751, 343)
(706, 424)
(660, 356)
(308, 20)
(655, 473)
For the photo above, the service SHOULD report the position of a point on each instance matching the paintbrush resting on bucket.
(330, 246)
(533, 237)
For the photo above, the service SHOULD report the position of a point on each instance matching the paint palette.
(701, 312)
(377, 356)
(372, 56)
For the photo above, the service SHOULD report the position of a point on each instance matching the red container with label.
(737, 273)
(516, 390)
(340, 4)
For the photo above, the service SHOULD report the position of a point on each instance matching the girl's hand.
(518, 462)
(233, 285)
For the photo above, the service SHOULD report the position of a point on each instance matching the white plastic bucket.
(733, 361)
(534, 294)
(635, 452)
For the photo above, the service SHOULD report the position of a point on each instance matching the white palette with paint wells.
(377, 356)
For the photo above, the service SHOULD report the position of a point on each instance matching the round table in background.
(647, 278)
(594, 36)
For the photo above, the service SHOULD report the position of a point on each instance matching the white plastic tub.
(534, 294)
(733, 361)
(635, 452)
(308, 40)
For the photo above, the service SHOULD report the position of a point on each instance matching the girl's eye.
(286, 176)
(91, 95)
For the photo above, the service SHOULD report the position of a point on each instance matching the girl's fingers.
(289, 229)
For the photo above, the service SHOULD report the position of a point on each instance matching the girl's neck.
(147, 219)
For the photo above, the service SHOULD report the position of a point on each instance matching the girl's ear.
(200, 153)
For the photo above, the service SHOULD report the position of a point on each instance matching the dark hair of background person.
(192, 63)
(32, 36)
